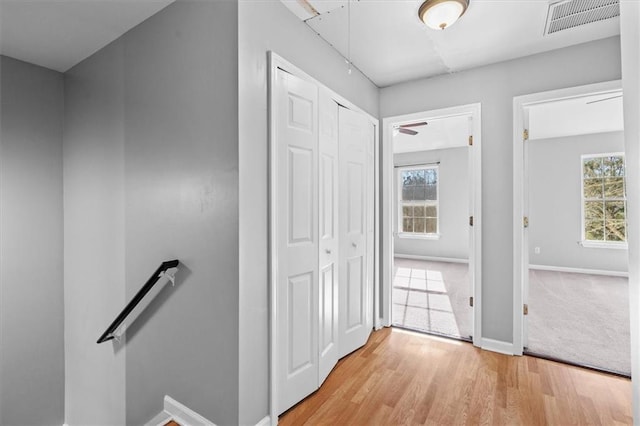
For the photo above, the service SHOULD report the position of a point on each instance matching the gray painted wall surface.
(181, 176)
(555, 203)
(495, 86)
(453, 194)
(268, 25)
(168, 120)
(94, 138)
(31, 282)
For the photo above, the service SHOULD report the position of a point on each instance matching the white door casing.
(520, 194)
(296, 154)
(328, 235)
(355, 290)
(475, 206)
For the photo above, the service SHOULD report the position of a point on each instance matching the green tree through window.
(604, 199)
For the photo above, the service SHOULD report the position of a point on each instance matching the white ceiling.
(388, 41)
(390, 44)
(448, 132)
(577, 116)
(57, 34)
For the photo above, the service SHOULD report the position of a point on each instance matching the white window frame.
(399, 200)
(583, 240)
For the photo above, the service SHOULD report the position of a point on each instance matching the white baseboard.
(497, 346)
(579, 270)
(266, 421)
(173, 410)
(431, 258)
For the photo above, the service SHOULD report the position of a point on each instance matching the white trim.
(431, 258)
(579, 270)
(414, 236)
(159, 420)
(615, 245)
(497, 346)
(266, 421)
(599, 243)
(520, 208)
(398, 201)
(275, 61)
(475, 205)
(181, 414)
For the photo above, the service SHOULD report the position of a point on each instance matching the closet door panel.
(329, 248)
(296, 191)
(355, 292)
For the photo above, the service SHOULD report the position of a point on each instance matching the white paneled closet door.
(295, 195)
(328, 235)
(322, 195)
(356, 211)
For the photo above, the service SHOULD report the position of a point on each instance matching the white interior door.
(296, 187)
(328, 236)
(356, 291)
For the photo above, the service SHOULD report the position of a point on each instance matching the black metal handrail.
(108, 333)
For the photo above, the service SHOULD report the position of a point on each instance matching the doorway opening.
(431, 240)
(572, 262)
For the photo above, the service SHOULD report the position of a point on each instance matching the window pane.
(432, 226)
(407, 225)
(431, 211)
(418, 225)
(418, 211)
(593, 188)
(407, 192)
(614, 187)
(407, 178)
(614, 210)
(407, 211)
(431, 192)
(613, 166)
(431, 176)
(615, 230)
(419, 193)
(594, 230)
(594, 210)
(419, 177)
(592, 167)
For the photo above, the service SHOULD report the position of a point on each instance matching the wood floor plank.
(406, 378)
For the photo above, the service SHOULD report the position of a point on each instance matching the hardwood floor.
(402, 377)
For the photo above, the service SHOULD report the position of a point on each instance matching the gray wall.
(31, 286)
(495, 86)
(269, 25)
(555, 203)
(94, 237)
(453, 199)
(158, 110)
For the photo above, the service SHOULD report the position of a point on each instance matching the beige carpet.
(432, 297)
(580, 318)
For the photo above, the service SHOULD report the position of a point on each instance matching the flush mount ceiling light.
(441, 14)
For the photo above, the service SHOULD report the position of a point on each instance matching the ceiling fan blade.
(605, 99)
(407, 131)
(422, 123)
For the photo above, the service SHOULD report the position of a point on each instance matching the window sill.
(411, 236)
(604, 245)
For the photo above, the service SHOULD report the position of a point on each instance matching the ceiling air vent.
(567, 14)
